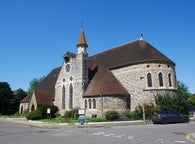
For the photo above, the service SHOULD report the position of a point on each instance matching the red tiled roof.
(138, 51)
(48, 84)
(45, 92)
(102, 81)
(43, 97)
(49, 81)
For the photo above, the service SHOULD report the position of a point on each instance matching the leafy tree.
(191, 100)
(174, 102)
(18, 96)
(34, 83)
(6, 98)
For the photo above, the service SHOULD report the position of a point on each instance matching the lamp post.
(142, 88)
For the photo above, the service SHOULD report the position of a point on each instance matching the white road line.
(183, 142)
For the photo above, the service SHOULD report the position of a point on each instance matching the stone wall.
(78, 77)
(33, 103)
(134, 79)
(23, 107)
(105, 103)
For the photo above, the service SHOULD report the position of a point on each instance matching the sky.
(34, 34)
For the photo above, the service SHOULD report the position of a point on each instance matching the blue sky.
(34, 34)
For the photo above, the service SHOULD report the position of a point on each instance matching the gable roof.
(103, 81)
(138, 51)
(43, 97)
(49, 81)
(45, 91)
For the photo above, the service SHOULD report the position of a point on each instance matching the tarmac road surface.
(182, 133)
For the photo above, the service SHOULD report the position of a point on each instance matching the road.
(134, 134)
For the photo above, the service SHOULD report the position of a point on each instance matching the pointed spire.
(82, 41)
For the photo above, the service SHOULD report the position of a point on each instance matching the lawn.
(60, 119)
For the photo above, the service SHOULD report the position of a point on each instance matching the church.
(118, 79)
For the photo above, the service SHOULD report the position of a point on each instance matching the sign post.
(48, 113)
(81, 119)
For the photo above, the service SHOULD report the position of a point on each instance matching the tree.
(34, 83)
(18, 96)
(6, 98)
(191, 100)
(177, 102)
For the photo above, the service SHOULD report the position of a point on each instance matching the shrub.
(150, 109)
(68, 114)
(111, 115)
(136, 114)
(43, 110)
(96, 120)
(34, 115)
(72, 114)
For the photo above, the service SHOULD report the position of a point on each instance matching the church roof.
(102, 81)
(138, 51)
(43, 96)
(49, 81)
(45, 92)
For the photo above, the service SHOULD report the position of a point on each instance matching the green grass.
(12, 116)
(58, 119)
(96, 120)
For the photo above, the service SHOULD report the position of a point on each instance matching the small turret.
(82, 43)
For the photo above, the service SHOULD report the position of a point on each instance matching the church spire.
(82, 41)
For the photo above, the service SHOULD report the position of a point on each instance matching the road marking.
(183, 142)
(131, 137)
(60, 134)
(113, 135)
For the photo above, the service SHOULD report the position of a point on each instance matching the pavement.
(24, 121)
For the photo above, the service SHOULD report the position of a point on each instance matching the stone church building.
(119, 79)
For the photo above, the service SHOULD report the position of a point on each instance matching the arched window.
(160, 76)
(71, 96)
(85, 104)
(94, 104)
(63, 97)
(170, 83)
(89, 103)
(149, 78)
